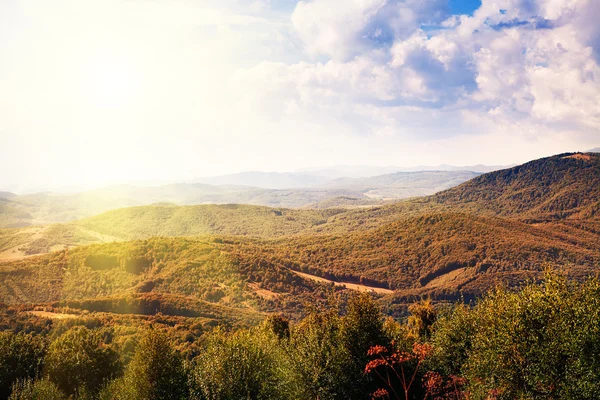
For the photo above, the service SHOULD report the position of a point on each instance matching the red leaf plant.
(403, 365)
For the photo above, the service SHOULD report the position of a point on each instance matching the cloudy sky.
(107, 91)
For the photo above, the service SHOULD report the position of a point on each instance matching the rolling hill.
(502, 227)
(46, 208)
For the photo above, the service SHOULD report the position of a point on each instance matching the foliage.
(81, 360)
(541, 342)
(241, 365)
(362, 328)
(21, 357)
(30, 389)
(318, 358)
(156, 372)
(397, 368)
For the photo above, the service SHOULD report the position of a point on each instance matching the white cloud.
(121, 90)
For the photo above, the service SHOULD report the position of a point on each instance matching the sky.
(114, 91)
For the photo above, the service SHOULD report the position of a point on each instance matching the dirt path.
(353, 286)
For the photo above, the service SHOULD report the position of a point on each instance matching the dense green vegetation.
(540, 342)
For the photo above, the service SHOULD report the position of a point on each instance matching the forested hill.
(501, 228)
(557, 187)
(227, 219)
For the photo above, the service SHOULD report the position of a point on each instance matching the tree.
(21, 357)
(542, 342)
(240, 365)
(43, 389)
(362, 328)
(319, 359)
(155, 373)
(80, 360)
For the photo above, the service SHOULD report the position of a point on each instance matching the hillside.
(442, 254)
(557, 187)
(228, 219)
(161, 220)
(179, 277)
(501, 227)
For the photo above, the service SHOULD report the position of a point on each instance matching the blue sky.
(464, 7)
(101, 92)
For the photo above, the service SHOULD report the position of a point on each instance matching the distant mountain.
(404, 184)
(594, 150)
(444, 167)
(44, 208)
(7, 195)
(350, 171)
(266, 180)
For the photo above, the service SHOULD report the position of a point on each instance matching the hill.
(228, 219)
(7, 195)
(443, 254)
(557, 187)
(501, 227)
(165, 220)
(47, 208)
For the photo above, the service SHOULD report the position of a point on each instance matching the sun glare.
(111, 83)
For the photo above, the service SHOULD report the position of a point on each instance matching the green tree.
(155, 373)
(423, 316)
(21, 356)
(80, 360)
(362, 328)
(542, 342)
(241, 365)
(319, 359)
(29, 389)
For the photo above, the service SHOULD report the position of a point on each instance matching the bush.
(542, 342)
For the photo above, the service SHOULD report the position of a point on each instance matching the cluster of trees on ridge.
(540, 342)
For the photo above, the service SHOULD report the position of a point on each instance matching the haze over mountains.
(311, 177)
(501, 227)
(44, 208)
